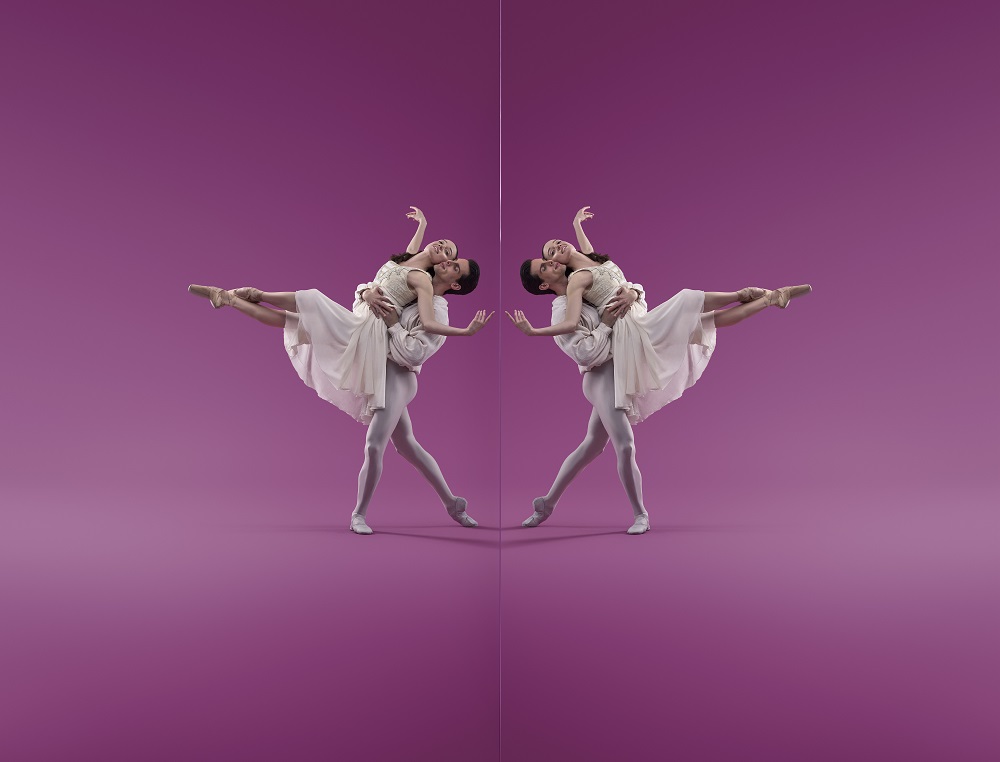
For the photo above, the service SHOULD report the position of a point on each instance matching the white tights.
(606, 422)
(393, 423)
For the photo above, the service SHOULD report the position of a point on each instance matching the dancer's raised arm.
(418, 237)
(581, 237)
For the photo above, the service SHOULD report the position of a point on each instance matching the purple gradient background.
(176, 576)
(177, 580)
(821, 578)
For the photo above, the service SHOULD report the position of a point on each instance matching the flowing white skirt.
(660, 353)
(339, 353)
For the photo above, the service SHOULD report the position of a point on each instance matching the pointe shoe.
(782, 296)
(641, 525)
(542, 512)
(358, 525)
(458, 513)
(750, 293)
(248, 294)
(219, 297)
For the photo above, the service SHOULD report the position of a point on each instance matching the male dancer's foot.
(358, 525)
(542, 512)
(641, 525)
(458, 513)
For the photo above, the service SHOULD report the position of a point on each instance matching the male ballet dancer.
(590, 348)
(409, 348)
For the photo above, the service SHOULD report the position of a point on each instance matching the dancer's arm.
(425, 304)
(409, 344)
(590, 344)
(418, 237)
(579, 283)
(581, 237)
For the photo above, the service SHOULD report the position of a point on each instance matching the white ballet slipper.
(358, 525)
(641, 525)
(542, 512)
(458, 513)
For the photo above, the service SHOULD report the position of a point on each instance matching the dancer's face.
(442, 250)
(558, 251)
(548, 272)
(450, 271)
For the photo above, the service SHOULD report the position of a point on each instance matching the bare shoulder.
(418, 280)
(580, 280)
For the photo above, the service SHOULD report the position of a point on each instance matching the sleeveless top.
(391, 278)
(608, 278)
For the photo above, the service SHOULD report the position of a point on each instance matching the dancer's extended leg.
(593, 444)
(283, 299)
(400, 388)
(407, 445)
(599, 388)
(265, 315)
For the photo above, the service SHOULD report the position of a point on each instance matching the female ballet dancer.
(658, 353)
(330, 346)
(619, 302)
(341, 353)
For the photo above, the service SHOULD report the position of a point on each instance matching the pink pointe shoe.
(750, 293)
(782, 296)
(248, 294)
(219, 297)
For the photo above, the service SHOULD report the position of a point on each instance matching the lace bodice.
(391, 277)
(608, 278)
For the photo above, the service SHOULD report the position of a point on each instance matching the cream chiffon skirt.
(339, 353)
(660, 353)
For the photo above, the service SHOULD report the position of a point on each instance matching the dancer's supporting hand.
(521, 322)
(390, 319)
(378, 302)
(622, 302)
(581, 237)
(609, 318)
(478, 322)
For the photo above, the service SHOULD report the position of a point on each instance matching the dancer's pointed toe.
(358, 525)
(641, 525)
(217, 296)
(542, 512)
(780, 297)
(458, 513)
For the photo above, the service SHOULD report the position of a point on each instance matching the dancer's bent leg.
(407, 445)
(400, 388)
(593, 444)
(599, 388)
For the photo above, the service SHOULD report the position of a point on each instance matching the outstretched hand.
(417, 215)
(582, 215)
(622, 302)
(521, 322)
(478, 322)
(378, 302)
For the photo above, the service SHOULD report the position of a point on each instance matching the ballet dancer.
(344, 355)
(662, 352)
